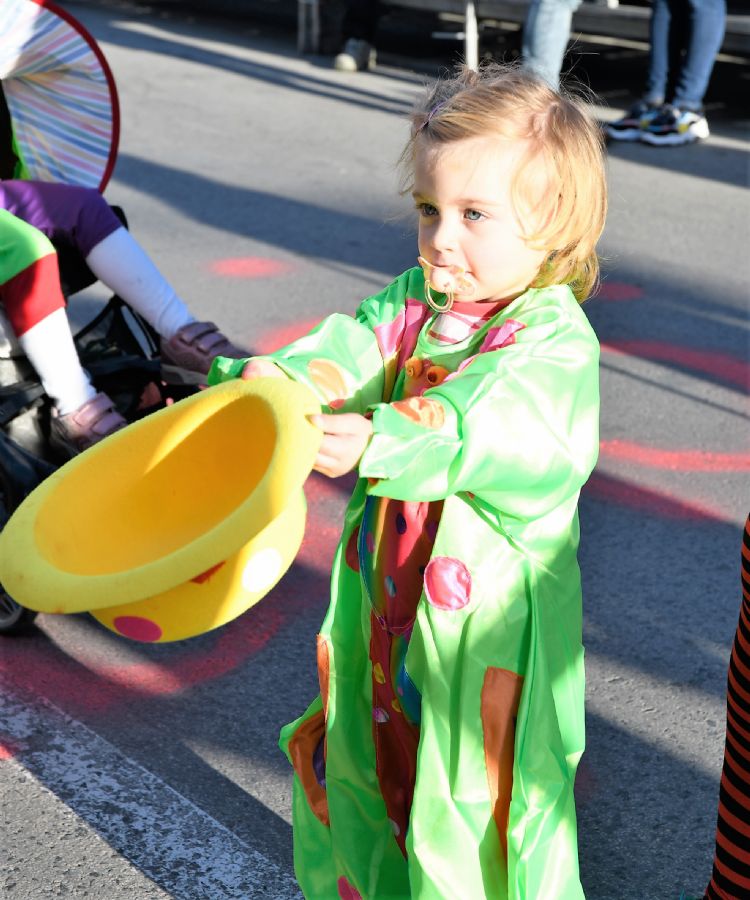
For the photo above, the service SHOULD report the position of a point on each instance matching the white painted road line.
(181, 848)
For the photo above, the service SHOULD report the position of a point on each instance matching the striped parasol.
(60, 94)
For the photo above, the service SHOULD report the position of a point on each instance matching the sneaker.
(87, 425)
(632, 125)
(356, 56)
(675, 126)
(195, 347)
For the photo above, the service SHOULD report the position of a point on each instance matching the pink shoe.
(87, 425)
(195, 346)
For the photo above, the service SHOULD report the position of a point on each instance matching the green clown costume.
(439, 758)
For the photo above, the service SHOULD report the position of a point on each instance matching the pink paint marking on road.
(284, 335)
(90, 684)
(7, 751)
(619, 290)
(653, 503)
(729, 369)
(676, 460)
(87, 683)
(250, 267)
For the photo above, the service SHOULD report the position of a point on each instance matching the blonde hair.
(563, 140)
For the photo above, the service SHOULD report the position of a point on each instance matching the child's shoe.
(356, 56)
(675, 126)
(194, 348)
(632, 125)
(87, 425)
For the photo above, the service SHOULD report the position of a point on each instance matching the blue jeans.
(546, 32)
(686, 35)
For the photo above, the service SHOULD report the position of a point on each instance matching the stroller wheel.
(14, 619)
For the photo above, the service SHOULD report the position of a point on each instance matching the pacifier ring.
(433, 303)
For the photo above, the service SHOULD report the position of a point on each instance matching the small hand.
(261, 368)
(345, 439)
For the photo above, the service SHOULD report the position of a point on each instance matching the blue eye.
(426, 209)
(473, 215)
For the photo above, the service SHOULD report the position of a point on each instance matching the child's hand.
(345, 439)
(261, 368)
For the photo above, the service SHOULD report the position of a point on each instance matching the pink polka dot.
(380, 715)
(347, 891)
(137, 628)
(447, 583)
(370, 542)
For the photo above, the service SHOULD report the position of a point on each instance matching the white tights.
(121, 264)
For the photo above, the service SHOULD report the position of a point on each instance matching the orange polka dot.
(377, 671)
(329, 379)
(422, 410)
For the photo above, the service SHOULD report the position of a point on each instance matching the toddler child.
(439, 758)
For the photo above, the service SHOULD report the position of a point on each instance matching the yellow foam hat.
(176, 524)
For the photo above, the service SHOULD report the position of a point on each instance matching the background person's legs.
(706, 20)
(660, 58)
(546, 33)
(358, 27)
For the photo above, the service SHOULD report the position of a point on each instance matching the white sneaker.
(674, 126)
(356, 56)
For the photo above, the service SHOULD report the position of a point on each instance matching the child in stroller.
(80, 221)
(117, 352)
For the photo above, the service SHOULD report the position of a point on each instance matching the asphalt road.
(264, 185)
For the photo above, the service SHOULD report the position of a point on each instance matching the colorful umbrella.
(60, 94)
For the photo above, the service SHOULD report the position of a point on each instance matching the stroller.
(119, 349)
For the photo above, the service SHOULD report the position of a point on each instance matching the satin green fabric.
(518, 439)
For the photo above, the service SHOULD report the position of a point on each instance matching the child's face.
(467, 218)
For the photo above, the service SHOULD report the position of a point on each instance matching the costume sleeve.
(517, 427)
(347, 361)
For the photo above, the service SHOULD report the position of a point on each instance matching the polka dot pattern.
(422, 410)
(346, 890)
(329, 378)
(262, 570)
(447, 583)
(205, 576)
(380, 715)
(137, 628)
(378, 674)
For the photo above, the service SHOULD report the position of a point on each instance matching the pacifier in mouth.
(447, 280)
